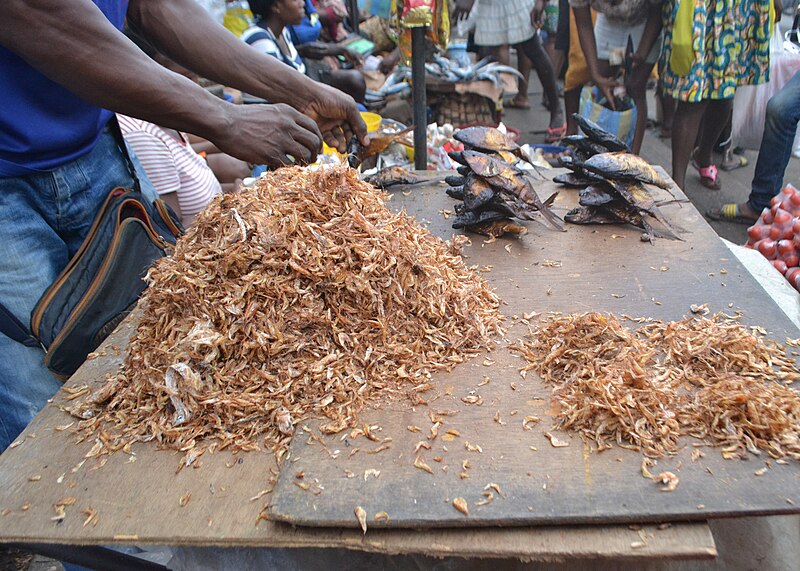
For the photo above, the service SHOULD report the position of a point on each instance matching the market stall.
(525, 489)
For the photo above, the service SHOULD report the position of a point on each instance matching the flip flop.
(709, 176)
(512, 104)
(555, 134)
(736, 162)
(730, 213)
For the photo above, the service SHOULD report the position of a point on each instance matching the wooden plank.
(139, 503)
(598, 268)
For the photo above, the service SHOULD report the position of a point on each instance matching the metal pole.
(418, 98)
(352, 12)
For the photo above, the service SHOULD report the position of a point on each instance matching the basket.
(464, 109)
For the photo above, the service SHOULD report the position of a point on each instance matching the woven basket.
(463, 109)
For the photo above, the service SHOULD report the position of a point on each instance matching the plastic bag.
(620, 123)
(682, 56)
(750, 102)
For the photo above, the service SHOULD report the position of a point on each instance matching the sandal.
(732, 162)
(730, 213)
(513, 104)
(709, 176)
(555, 134)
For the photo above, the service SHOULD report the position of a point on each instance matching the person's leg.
(43, 221)
(572, 103)
(783, 114)
(524, 66)
(716, 115)
(544, 69)
(638, 92)
(684, 132)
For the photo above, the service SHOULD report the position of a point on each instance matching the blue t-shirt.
(42, 124)
(309, 29)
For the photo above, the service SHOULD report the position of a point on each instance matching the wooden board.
(604, 268)
(139, 503)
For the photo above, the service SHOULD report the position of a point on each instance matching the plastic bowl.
(373, 121)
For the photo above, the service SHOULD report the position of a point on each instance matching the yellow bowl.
(373, 121)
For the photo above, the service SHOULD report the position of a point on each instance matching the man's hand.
(271, 134)
(537, 14)
(463, 8)
(337, 116)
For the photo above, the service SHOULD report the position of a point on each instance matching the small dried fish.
(420, 463)
(669, 479)
(555, 441)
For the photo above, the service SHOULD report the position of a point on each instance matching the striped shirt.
(262, 38)
(171, 164)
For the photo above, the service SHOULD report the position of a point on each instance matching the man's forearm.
(182, 30)
(87, 55)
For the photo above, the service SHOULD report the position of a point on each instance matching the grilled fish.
(624, 166)
(575, 180)
(470, 218)
(510, 180)
(590, 215)
(599, 135)
(456, 192)
(477, 192)
(497, 228)
(597, 195)
(584, 144)
(455, 180)
(392, 176)
(486, 139)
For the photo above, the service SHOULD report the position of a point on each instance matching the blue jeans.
(783, 114)
(44, 218)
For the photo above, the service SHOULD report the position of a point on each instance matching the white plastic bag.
(750, 103)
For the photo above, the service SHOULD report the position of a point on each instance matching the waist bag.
(102, 282)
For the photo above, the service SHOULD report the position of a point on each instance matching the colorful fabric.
(620, 123)
(731, 48)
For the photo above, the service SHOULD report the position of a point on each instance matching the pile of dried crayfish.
(302, 297)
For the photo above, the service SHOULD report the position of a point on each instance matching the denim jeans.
(780, 127)
(44, 218)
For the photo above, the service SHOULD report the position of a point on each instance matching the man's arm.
(87, 55)
(184, 31)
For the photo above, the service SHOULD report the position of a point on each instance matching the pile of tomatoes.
(776, 234)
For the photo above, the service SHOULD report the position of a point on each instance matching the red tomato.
(796, 226)
(788, 233)
(767, 216)
(791, 274)
(794, 199)
(759, 231)
(785, 247)
(780, 265)
(767, 249)
(776, 200)
(775, 232)
(782, 217)
(792, 260)
(749, 246)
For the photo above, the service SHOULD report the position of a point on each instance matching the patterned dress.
(731, 48)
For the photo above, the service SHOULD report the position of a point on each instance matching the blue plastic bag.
(620, 123)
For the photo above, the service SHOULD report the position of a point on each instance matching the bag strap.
(14, 329)
(113, 124)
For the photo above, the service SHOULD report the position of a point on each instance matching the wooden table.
(137, 498)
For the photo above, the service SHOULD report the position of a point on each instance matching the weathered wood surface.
(138, 501)
(603, 268)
